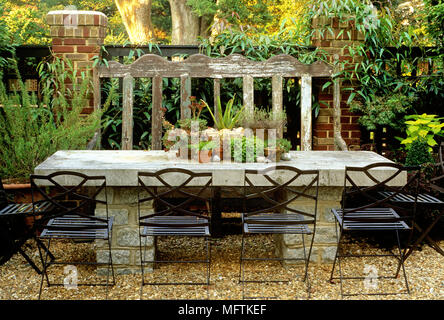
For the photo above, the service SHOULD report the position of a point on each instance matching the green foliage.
(434, 11)
(382, 110)
(418, 153)
(244, 149)
(33, 128)
(423, 127)
(374, 85)
(187, 124)
(203, 145)
(263, 119)
(228, 118)
(283, 144)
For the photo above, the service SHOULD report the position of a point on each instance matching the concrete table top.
(121, 167)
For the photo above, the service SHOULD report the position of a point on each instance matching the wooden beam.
(306, 113)
(156, 115)
(127, 113)
(201, 66)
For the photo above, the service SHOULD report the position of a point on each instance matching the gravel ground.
(424, 270)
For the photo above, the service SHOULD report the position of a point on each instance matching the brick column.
(78, 36)
(335, 45)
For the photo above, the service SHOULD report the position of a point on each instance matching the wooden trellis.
(201, 66)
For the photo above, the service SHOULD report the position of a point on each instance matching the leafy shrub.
(423, 127)
(418, 153)
(382, 110)
(32, 128)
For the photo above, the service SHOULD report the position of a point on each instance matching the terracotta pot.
(275, 153)
(205, 156)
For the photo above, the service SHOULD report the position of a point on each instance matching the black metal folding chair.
(427, 201)
(72, 217)
(168, 190)
(363, 210)
(278, 214)
(13, 232)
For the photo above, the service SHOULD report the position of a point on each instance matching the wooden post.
(185, 93)
(96, 140)
(127, 112)
(277, 101)
(216, 94)
(248, 94)
(156, 115)
(306, 118)
(339, 142)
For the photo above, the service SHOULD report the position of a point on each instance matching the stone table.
(121, 168)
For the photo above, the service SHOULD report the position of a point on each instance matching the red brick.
(96, 20)
(350, 127)
(323, 126)
(86, 32)
(86, 49)
(63, 49)
(320, 134)
(75, 41)
(355, 119)
(345, 119)
(320, 148)
(323, 96)
(87, 110)
(355, 134)
(57, 41)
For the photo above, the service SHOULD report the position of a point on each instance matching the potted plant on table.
(204, 150)
(226, 122)
(264, 119)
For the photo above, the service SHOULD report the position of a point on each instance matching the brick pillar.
(335, 45)
(78, 36)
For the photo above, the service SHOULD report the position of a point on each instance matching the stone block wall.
(122, 205)
(325, 241)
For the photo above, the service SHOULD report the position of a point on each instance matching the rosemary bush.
(33, 128)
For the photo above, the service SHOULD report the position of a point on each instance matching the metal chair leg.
(401, 261)
(44, 271)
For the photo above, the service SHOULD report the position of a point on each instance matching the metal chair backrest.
(172, 196)
(437, 182)
(68, 198)
(285, 184)
(357, 197)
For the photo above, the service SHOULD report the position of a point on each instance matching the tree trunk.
(186, 26)
(136, 16)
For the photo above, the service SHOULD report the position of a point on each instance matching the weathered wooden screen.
(201, 66)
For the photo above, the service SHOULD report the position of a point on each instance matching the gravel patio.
(18, 281)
